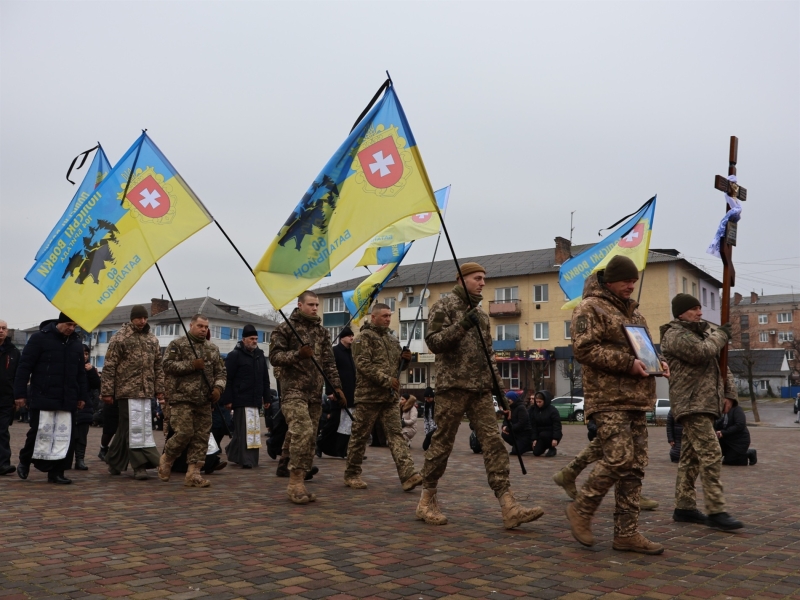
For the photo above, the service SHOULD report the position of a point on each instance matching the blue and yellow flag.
(97, 256)
(631, 239)
(375, 179)
(98, 170)
(358, 300)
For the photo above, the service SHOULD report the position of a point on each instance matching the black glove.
(406, 355)
(305, 351)
(726, 329)
(471, 319)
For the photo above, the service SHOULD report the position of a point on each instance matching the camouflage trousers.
(192, 426)
(450, 407)
(700, 455)
(592, 453)
(623, 441)
(302, 419)
(364, 419)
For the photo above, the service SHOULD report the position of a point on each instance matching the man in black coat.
(330, 441)
(545, 423)
(520, 425)
(83, 418)
(733, 435)
(246, 392)
(9, 359)
(53, 361)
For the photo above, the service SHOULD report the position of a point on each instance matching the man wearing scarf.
(301, 386)
(464, 383)
(195, 380)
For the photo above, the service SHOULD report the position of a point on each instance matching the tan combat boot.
(566, 480)
(297, 490)
(637, 543)
(428, 508)
(581, 526)
(165, 467)
(514, 514)
(412, 482)
(193, 477)
(355, 482)
(647, 504)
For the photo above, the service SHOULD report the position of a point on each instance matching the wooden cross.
(727, 243)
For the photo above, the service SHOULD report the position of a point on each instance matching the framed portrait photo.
(644, 349)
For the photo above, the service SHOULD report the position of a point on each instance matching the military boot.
(297, 490)
(428, 508)
(636, 543)
(514, 514)
(647, 504)
(193, 477)
(565, 479)
(581, 526)
(165, 467)
(688, 515)
(412, 482)
(283, 467)
(355, 482)
(723, 521)
(140, 474)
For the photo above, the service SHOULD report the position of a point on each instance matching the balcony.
(410, 313)
(336, 319)
(505, 308)
(498, 345)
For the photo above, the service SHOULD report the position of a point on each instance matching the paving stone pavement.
(107, 537)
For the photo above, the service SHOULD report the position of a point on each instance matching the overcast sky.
(530, 110)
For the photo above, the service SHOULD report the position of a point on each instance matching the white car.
(569, 408)
(662, 410)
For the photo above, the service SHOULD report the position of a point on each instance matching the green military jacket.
(376, 352)
(183, 383)
(601, 347)
(132, 367)
(696, 385)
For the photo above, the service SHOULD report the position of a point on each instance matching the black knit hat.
(683, 302)
(249, 331)
(620, 268)
(62, 318)
(139, 312)
(429, 393)
(346, 332)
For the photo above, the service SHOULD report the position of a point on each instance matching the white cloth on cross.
(140, 423)
(53, 435)
(345, 424)
(253, 426)
(734, 214)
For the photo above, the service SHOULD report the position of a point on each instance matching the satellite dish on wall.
(400, 296)
(427, 294)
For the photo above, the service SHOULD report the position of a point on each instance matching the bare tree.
(745, 361)
(572, 371)
(272, 313)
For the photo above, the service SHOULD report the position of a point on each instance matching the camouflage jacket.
(460, 359)
(376, 352)
(601, 346)
(183, 383)
(132, 368)
(300, 378)
(695, 382)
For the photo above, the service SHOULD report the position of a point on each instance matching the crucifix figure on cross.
(728, 241)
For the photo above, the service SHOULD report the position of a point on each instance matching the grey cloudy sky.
(530, 110)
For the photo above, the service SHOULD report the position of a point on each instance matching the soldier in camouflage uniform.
(377, 355)
(464, 383)
(192, 364)
(132, 369)
(617, 392)
(696, 392)
(301, 386)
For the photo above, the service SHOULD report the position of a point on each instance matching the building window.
(567, 330)
(216, 332)
(785, 336)
(167, 329)
(413, 301)
(390, 302)
(785, 317)
(762, 384)
(685, 285)
(418, 375)
(694, 289)
(744, 321)
(333, 305)
(510, 371)
(790, 355)
(405, 328)
(746, 340)
(763, 337)
(705, 297)
(713, 300)
(505, 294)
(540, 293)
(541, 331)
(334, 333)
(507, 332)
(763, 319)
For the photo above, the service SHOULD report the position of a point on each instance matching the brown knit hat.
(620, 268)
(138, 312)
(471, 267)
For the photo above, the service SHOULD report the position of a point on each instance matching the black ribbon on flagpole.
(372, 102)
(642, 207)
(83, 155)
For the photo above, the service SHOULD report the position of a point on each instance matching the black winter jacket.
(9, 360)
(735, 435)
(347, 373)
(86, 414)
(248, 378)
(55, 365)
(546, 420)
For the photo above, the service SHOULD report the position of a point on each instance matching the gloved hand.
(406, 355)
(198, 364)
(341, 397)
(726, 329)
(395, 383)
(470, 319)
(107, 399)
(305, 352)
(215, 394)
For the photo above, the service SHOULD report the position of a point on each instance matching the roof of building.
(766, 361)
(509, 264)
(772, 299)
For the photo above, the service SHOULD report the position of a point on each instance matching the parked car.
(662, 410)
(569, 408)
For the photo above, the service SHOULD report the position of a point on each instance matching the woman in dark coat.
(546, 425)
(84, 417)
(734, 437)
(520, 425)
(674, 435)
(330, 441)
